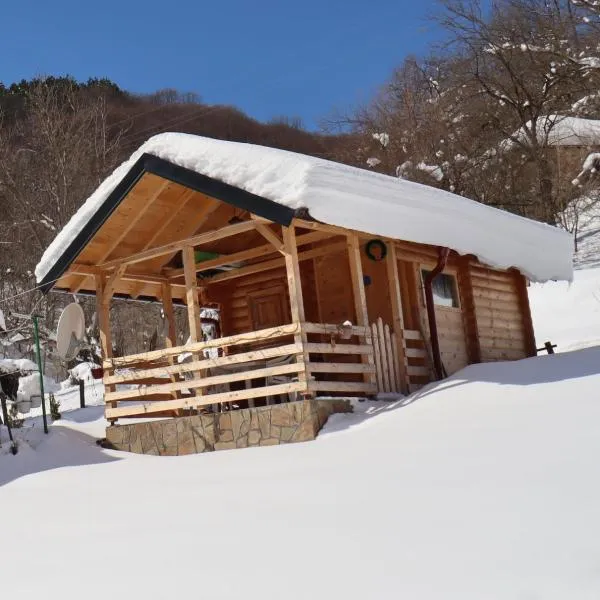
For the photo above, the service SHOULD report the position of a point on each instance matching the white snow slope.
(482, 486)
(354, 198)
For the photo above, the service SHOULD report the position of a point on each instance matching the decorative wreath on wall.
(376, 250)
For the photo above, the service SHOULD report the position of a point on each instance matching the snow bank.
(478, 487)
(350, 197)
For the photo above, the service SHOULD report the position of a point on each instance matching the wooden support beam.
(90, 270)
(249, 254)
(469, 313)
(360, 299)
(270, 236)
(292, 267)
(201, 216)
(191, 296)
(111, 282)
(103, 312)
(202, 238)
(186, 197)
(276, 263)
(233, 340)
(397, 316)
(528, 331)
(170, 332)
(186, 403)
(135, 219)
(125, 232)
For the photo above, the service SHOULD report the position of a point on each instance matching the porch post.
(292, 267)
(102, 310)
(170, 334)
(193, 306)
(360, 302)
(398, 319)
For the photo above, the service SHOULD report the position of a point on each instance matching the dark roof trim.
(147, 163)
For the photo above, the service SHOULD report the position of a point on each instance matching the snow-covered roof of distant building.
(557, 130)
(349, 197)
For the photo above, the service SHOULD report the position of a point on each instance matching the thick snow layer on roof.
(353, 198)
(559, 131)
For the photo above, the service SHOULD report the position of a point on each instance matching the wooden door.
(268, 308)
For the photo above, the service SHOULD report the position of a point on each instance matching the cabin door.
(268, 308)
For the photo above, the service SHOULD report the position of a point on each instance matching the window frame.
(449, 272)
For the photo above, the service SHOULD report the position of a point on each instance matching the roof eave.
(148, 163)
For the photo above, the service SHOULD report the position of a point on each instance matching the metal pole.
(39, 362)
(81, 394)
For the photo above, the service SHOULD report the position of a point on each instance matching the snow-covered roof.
(349, 197)
(559, 131)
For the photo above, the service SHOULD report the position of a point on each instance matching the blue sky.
(269, 58)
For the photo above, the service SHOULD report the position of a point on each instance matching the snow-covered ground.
(481, 486)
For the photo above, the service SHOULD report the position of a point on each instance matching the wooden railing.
(139, 390)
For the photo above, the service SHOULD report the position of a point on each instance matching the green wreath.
(376, 250)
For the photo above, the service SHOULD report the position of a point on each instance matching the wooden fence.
(387, 355)
(151, 383)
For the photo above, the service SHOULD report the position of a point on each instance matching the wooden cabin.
(320, 274)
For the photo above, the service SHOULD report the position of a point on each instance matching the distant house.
(327, 279)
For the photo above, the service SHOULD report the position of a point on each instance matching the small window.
(444, 289)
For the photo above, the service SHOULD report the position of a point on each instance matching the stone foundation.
(298, 421)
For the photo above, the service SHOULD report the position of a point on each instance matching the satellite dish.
(70, 331)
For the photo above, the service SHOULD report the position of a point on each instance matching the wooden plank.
(412, 334)
(340, 368)
(394, 385)
(315, 348)
(502, 344)
(206, 363)
(488, 274)
(275, 263)
(292, 267)
(342, 386)
(202, 238)
(515, 335)
(331, 329)
(418, 371)
(377, 357)
(359, 297)
(124, 233)
(270, 236)
(467, 302)
(185, 198)
(416, 353)
(524, 308)
(204, 382)
(170, 333)
(259, 251)
(496, 296)
(397, 317)
(493, 354)
(82, 269)
(396, 362)
(385, 367)
(499, 313)
(196, 402)
(495, 323)
(191, 294)
(493, 285)
(232, 340)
